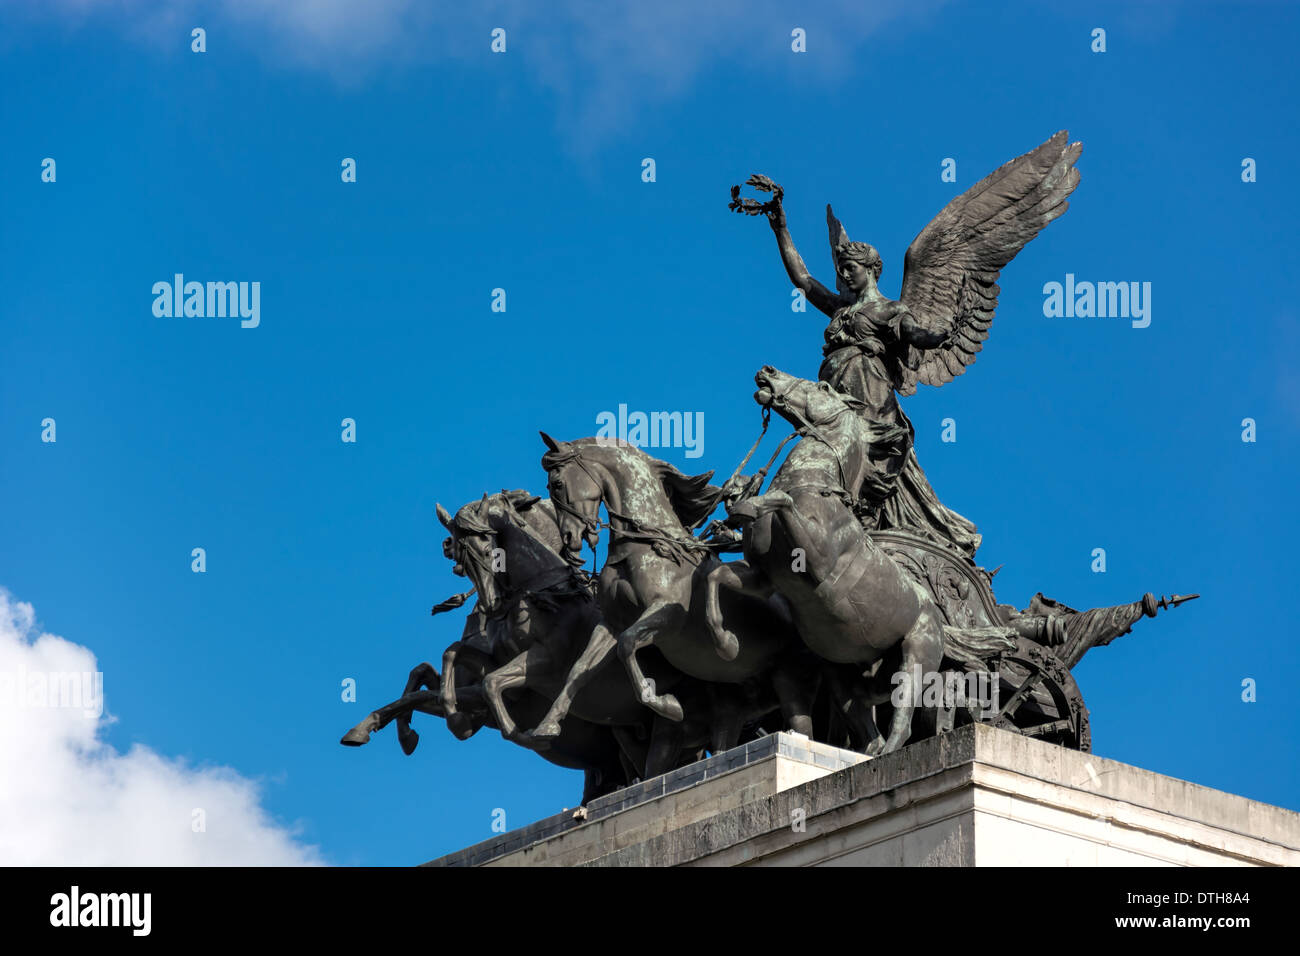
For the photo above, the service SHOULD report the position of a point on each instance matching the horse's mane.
(691, 497)
(541, 519)
(535, 514)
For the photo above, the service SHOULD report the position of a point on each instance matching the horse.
(850, 602)
(611, 757)
(651, 590)
(509, 546)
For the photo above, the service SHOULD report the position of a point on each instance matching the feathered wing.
(951, 270)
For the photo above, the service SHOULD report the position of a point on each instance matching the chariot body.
(1028, 654)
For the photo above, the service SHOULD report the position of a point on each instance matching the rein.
(755, 484)
(690, 548)
(562, 584)
(806, 427)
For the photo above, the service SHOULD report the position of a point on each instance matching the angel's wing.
(951, 270)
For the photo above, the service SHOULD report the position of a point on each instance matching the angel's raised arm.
(821, 297)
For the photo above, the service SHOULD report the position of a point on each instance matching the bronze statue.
(656, 569)
(850, 602)
(877, 346)
(857, 585)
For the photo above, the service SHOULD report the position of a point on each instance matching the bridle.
(808, 427)
(543, 586)
(627, 528)
(622, 527)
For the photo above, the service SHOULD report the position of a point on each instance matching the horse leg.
(632, 752)
(508, 677)
(598, 648)
(449, 683)
(796, 684)
(727, 716)
(853, 705)
(736, 576)
(815, 538)
(665, 747)
(465, 655)
(658, 616)
(422, 675)
(922, 648)
(379, 719)
(593, 785)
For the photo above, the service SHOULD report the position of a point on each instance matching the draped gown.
(861, 349)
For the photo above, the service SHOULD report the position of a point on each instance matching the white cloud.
(67, 798)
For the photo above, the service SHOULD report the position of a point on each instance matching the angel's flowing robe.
(859, 351)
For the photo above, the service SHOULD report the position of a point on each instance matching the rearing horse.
(850, 602)
(651, 587)
(509, 546)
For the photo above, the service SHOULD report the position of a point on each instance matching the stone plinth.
(974, 797)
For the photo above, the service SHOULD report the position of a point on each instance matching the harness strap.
(666, 544)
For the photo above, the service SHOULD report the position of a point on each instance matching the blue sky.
(522, 171)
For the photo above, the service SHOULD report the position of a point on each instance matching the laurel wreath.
(752, 207)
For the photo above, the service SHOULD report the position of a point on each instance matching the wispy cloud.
(601, 61)
(67, 798)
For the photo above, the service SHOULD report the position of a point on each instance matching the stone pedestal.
(974, 797)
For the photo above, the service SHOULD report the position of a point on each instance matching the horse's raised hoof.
(408, 738)
(875, 748)
(360, 734)
(727, 645)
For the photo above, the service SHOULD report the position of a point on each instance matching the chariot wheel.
(1039, 698)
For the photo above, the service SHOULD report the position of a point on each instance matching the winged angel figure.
(878, 348)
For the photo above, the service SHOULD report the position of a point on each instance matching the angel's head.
(858, 265)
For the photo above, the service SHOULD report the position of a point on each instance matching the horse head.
(816, 409)
(472, 546)
(639, 492)
(576, 493)
(799, 401)
(486, 549)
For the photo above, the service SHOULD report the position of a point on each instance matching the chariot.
(1030, 653)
